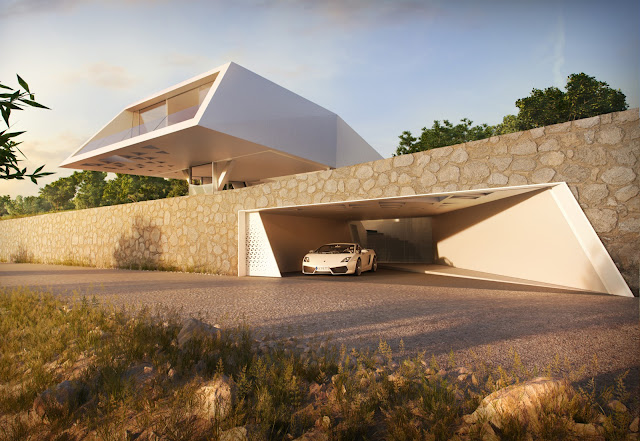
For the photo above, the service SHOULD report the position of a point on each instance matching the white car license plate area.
(322, 268)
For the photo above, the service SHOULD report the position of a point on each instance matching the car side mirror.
(311, 251)
(364, 251)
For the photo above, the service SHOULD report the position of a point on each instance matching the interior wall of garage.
(404, 240)
(291, 237)
(524, 236)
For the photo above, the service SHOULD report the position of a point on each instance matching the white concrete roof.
(265, 129)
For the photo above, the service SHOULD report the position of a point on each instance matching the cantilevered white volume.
(227, 125)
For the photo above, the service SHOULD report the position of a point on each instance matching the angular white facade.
(228, 125)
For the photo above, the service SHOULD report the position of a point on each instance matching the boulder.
(314, 435)
(194, 328)
(521, 401)
(236, 434)
(63, 395)
(218, 395)
(616, 406)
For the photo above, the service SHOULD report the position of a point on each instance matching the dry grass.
(284, 388)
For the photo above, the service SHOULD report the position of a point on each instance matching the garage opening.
(533, 234)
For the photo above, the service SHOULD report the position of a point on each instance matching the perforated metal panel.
(259, 256)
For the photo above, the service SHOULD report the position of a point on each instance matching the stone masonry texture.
(597, 157)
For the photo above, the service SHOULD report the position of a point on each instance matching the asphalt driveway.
(429, 313)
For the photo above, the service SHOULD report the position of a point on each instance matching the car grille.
(308, 269)
(339, 269)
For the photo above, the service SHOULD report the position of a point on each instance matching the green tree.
(178, 187)
(5, 203)
(132, 188)
(585, 97)
(91, 185)
(440, 135)
(509, 124)
(60, 193)
(23, 206)
(15, 100)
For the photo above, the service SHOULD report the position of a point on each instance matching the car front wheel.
(374, 265)
(358, 268)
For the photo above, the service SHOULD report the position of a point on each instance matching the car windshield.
(336, 248)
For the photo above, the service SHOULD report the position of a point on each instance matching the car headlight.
(306, 259)
(346, 259)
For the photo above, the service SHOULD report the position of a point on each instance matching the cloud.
(349, 14)
(103, 75)
(29, 7)
(559, 78)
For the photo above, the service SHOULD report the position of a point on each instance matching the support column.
(220, 174)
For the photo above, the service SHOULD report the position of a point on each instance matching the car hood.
(327, 259)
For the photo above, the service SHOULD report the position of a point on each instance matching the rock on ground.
(521, 401)
(236, 434)
(194, 328)
(61, 396)
(218, 396)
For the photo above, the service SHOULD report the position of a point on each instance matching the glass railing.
(174, 118)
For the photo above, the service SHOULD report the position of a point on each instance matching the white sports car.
(339, 258)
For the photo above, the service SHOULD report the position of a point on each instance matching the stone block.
(383, 181)
(383, 165)
(428, 179)
(368, 185)
(587, 123)
(497, 179)
(537, 132)
(543, 175)
(523, 164)
(441, 152)
(618, 176)
(422, 159)
(449, 173)
(512, 136)
(603, 220)
(610, 135)
(459, 156)
(404, 179)
(630, 225)
(365, 171)
(552, 159)
(559, 128)
(575, 173)
(594, 193)
(626, 193)
(524, 148)
(500, 164)
(591, 155)
(516, 179)
(330, 186)
(475, 171)
(479, 150)
(626, 115)
(549, 145)
(403, 160)
(624, 156)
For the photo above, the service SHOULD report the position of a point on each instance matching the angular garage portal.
(535, 233)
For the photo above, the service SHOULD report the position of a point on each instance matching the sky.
(384, 66)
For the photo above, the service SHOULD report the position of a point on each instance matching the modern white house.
(228, 126)
(499, 209)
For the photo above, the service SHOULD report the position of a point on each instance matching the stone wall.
(598, 157)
